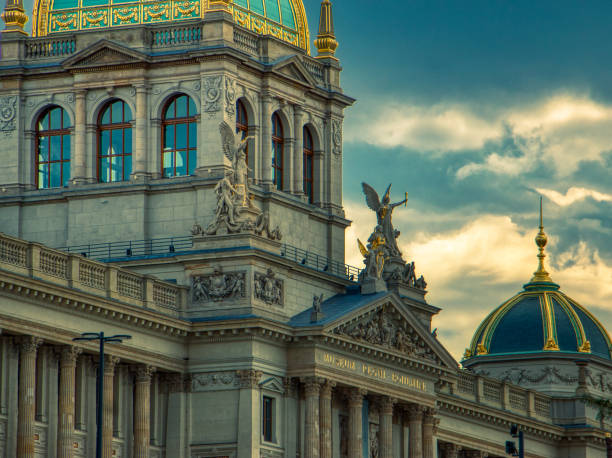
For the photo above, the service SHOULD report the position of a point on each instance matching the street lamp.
(90, 336)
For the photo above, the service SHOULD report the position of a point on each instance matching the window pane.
(56, 174)
(65, 173)
(192, 161)
(104, 142)
(56, 148)
(181, 163)
(181, 136)
(43, 176)
(127, 146)
(117, 142)
(168, 164)
(116, 168)
(43, 124)
(116, 112)
(192, 108)
(104, 170)
(127, 168)
(169, 137)
(56, 118)
(43, 149)
(170, 111)
(106, 116)
(66, 151)
(181, 107)
(127, 113)
(193, 135)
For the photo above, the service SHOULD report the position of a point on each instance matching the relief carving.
(213, 380)
(230, 96)
(218, 286)
(337, 136)
(388, 329)
(212, 93)
(8, 113)
(374, 447)
(268, 288)
(548, 374)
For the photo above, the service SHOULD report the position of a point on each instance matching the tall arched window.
(179, 137)
(115, 142)
(277, 151)
(52, 148)
(242, 123)
(308, 165)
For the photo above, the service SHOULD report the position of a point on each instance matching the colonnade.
(28, 347)
(318, 392)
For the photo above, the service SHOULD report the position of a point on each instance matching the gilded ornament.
(156, 11)
(64, 21)
(124, 15)
(185, 8)
(95, 17)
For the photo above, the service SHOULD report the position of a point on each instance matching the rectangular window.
(268, 411)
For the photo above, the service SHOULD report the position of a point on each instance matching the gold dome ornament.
(14, 16)
(326, 43)
(541, 275)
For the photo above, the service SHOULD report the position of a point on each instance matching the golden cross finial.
(541, 240)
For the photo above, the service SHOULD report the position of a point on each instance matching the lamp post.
(90, 336)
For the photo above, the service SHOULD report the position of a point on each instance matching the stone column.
(266, 139)
(107, 409)
(139, 167)
(28, 347)
(415, 425)
(450, 450)
(298, 148)
(66, 402)
(429, 425)
(312, 385)
(386, 426)
(142, 411)
(355, 432)
(79, 156)
(325, 419)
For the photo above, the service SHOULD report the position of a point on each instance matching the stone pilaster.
(415, 425)
(450, 450)
(298, 150)
(110, 363)
(266, 139)
(355, 427)
(325, 419)
(140, 169)
(28, 347)
(429, 424)
(249, 414)
(312, 386)
(386, 426)
(142, 411)
(66, 401)
(79, 157)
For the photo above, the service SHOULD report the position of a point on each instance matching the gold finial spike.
(541, 240)
(14, 16)
(326, 43)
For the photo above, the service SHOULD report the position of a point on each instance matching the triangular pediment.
(104, 53)
(293, 69)
(272, 384)
(390, 326)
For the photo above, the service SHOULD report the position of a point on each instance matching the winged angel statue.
(384, 211)
(234, 148)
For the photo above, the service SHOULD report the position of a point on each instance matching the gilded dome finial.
(541, 240)
(326, 43)
(14, 16)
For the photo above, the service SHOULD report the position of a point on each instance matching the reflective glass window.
(52, 149)
(308, 169)
(277, 151)
(179, 137)
(115, 142)
(242, 124)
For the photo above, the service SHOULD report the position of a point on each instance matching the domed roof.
(539, 320)
(283, 19)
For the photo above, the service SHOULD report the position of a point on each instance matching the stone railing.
(315, 69)
(94, 277)
(498, 394)
(36, 48)
(175, 35)
(246, 41)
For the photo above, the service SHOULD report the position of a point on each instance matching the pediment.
(104, 53)
(272, 384)
(390, 326)
(294, 70)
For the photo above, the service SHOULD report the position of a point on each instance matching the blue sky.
(475, 109)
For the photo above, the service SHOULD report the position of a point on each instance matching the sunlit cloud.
(574, 194)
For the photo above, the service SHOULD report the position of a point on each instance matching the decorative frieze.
(215, 381)
(218, 286)
(268, 288)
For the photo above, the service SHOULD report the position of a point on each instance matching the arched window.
(308, 165)
(115, 142)
(277, 151)
(179, 137)
(52, 148)
(242, 123)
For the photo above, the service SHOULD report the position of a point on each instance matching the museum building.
(172, 171)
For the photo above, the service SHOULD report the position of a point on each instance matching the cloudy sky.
(475, 109)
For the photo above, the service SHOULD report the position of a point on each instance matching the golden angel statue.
(375, 253)
(384, 211)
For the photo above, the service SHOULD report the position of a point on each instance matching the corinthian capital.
(249, 378)
(28, 344)
(144, 372)
(69, 354)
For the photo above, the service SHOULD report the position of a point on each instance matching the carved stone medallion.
(218, 286)
(212, 93)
